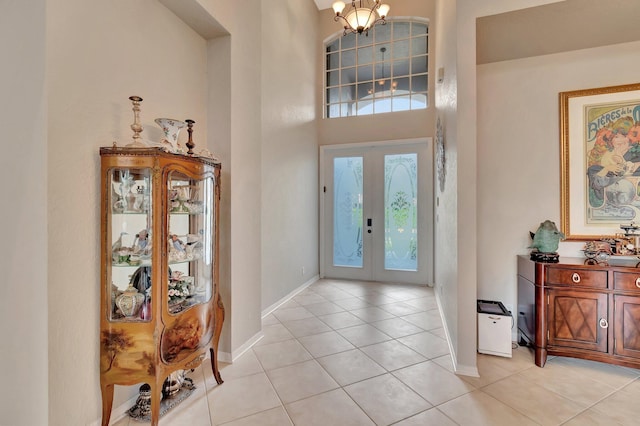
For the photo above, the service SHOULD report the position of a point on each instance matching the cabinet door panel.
(627, 326)
(578, 320)
(128, 211)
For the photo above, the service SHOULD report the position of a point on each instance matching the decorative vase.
(172, 383)
(171, 129)
(143, 403)
(130, 301)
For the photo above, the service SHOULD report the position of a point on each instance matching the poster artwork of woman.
(613, 172)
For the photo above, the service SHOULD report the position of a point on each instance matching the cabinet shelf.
(129, 265)
(130, 213)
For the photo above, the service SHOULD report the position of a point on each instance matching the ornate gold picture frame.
(599, 160)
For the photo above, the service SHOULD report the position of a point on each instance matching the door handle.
(369, 224)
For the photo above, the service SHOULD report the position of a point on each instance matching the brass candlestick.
(190, 144)
(136, 126)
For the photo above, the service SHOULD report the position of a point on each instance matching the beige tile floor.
(357, 353)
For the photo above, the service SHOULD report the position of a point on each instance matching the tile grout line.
(359, 348)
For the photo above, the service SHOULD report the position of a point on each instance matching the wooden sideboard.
(580, 310)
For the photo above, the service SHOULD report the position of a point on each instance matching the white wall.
(99, 54)
(242, 295)
(446, 207)
(519, 151)
(23, 256)
(234, 134)
(219, 136)
(457, 267)
(289, 148)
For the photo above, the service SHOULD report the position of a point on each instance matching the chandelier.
(382, 81)
(360, 19)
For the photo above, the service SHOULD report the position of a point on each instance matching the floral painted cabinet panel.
(160, 306)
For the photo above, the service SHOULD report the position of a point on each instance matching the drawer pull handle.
(604, 323)
(575, 277)
(638, 282)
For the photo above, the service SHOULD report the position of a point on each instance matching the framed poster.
(599, 161)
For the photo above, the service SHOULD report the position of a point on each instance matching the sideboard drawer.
(577, 277)
(626, 281)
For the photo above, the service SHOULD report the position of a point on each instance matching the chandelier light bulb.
(338, 7)
(383, 10)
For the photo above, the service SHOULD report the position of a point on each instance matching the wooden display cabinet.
(579, 309)
(160, 306)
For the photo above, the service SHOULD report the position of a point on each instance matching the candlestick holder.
(136, 126)
(190, 144)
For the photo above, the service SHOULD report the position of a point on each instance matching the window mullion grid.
(354, 101)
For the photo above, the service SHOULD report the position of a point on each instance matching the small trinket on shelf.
(177, 249)
(130, 301)
(207, 154)
(120, 253)
(141, 243)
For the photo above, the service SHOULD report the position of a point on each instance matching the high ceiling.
(558, 27)
(552, 28)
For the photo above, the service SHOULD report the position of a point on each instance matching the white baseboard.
(289, 296)
(231, 357)
(464, 370)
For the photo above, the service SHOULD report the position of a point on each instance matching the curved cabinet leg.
(214, 366)
(219, 319)
(107, 402)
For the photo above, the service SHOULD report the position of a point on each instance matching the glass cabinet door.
(190, 241)
(129, 233)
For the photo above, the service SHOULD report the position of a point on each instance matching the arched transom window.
(383, 72)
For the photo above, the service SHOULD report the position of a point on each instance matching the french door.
(377, 212)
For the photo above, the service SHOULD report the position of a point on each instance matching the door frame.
(429, 185)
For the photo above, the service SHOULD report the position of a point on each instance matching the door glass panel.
(347, 211)
(400, 212)
(190, 242)
(130, 224)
